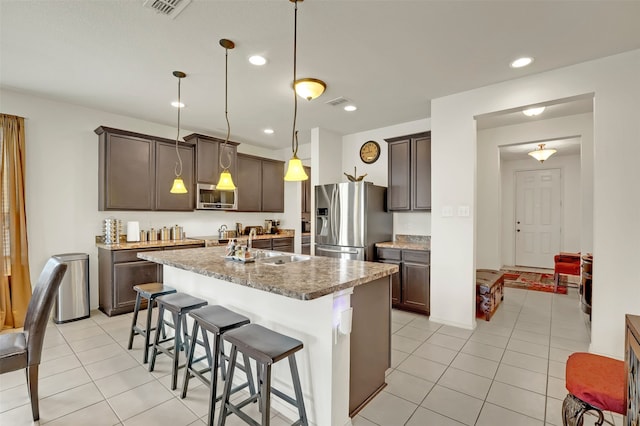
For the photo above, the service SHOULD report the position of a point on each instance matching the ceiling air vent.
(337, 101)
(170, 8)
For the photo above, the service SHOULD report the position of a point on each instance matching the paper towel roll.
(133, 231)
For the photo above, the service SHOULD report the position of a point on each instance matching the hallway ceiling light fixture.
(532, 112)
(350, 108)
(177, 104)
(225, 183)
(178, 186)
(295, 171)
(541, 154)
(521, 62)
(310, 88)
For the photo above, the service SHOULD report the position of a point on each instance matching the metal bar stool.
(266, 347)
(150, 292)
(595, 383)
(178, 304)
(216, 320)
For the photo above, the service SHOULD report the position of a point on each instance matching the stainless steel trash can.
(72, 302)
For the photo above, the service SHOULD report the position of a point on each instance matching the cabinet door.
(399, 192)
(207, 161)
(166, 163)
(421, 173)
(128, 274)
(415, 286)
(305, 249)
(272, 186)
(247, 179)
(283, 244)
(396, 280)
(129, 173)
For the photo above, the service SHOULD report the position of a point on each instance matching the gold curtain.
(15, 287)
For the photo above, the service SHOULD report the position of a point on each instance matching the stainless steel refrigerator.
(350, 218)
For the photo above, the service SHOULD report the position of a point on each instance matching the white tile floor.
(509, 371)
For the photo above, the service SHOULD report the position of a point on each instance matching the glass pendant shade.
(225, 183)
(541, 154)
(295, 171)
(309, 88)
(178, 186)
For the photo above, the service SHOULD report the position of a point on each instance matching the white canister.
(133, 231)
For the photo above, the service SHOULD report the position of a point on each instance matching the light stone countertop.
(149, 244)
(304, 280)
(405, 245)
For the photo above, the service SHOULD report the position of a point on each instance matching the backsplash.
(420, 239)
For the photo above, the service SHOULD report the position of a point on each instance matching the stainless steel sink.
(284, 259)
(262, 254)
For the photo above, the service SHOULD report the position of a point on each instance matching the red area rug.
(533, 281)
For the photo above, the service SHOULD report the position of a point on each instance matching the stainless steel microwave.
(209, 198)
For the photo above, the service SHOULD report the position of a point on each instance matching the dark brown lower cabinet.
(278, 244)
(306, 244)
(119, 271)
(410, 288)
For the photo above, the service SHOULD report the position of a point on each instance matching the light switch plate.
(464, 211)
(447, 211)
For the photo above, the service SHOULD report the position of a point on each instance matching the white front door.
(538, 216)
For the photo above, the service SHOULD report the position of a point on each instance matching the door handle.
(337, 251)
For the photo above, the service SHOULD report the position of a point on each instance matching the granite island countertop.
(303, 280)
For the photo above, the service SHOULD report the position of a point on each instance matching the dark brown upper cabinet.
(409, 186)
(208, 152)
(260, 184)
(135, 172)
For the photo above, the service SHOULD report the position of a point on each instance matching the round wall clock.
(369, 152)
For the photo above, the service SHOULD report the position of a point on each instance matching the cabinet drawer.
(416, 256)
(281, 242)
(130, 255)
(261, 244)
(190, 246)
(389, 253)
(306, 239)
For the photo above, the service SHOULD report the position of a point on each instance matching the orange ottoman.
(594, 383)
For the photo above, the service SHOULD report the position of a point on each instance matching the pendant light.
(225, 182)
(178, 186)
(541, 154)
(295, 171)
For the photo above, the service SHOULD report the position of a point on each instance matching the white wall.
(62, 183)
(495, 231)
(403, 223)
(616, 224)
(571, 220)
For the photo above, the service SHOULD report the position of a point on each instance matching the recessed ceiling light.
(268, 131)
(177, 104)
(521, 62)
(350, 108)
(257, 60)
(531, 112)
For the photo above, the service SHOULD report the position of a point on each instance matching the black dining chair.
(24, 349)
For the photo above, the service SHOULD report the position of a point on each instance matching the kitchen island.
(343, 363)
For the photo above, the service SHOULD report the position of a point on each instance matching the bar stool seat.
(266, 347)
(146, 291)
(178, 304)
(217, 320)
(595, 383)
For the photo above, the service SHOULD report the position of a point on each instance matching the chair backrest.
(37, 317)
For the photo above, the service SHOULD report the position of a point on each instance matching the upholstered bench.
(489, 292)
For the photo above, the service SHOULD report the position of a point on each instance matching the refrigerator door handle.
(337, 251)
